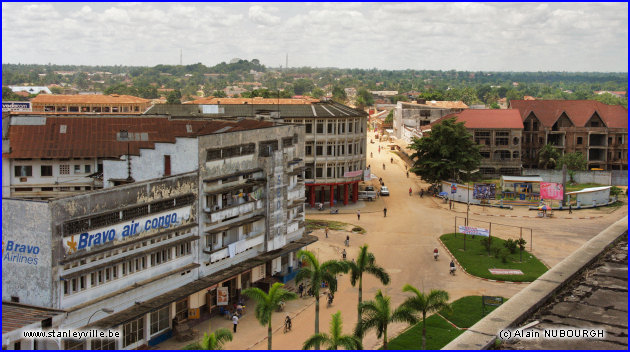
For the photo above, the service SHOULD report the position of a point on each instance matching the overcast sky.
(460, 36)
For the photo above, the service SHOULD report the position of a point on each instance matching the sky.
(390, 36)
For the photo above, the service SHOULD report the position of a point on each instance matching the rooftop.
(88, 99)
(578, 111)
(486, 118)
(255, 101)
(444, 104)
(34, 136)
(17, 315)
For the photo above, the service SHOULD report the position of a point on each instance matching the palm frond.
(316, 340)
(379, 273)
(350, 343)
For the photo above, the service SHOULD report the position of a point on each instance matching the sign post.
(494, 301)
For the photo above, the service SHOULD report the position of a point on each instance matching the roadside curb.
(536, 217)
(477, 277)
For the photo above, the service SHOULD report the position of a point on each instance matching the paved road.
(403, 243)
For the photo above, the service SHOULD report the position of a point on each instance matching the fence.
(609, 178)
(502, 231)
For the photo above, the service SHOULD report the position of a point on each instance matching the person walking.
(421, 193)
(347, 240)
(235, 321)
(326, 231)
(358, 214)
(301, 289)
(410, 191)
(570, 210)
(385, 212)
(343, 254)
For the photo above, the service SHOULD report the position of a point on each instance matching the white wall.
(65, 179)
(6, 178)
(150, 163)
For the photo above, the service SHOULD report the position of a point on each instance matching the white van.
(367, 195)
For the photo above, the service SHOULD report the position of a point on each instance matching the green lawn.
(476, 260)
(466, 312)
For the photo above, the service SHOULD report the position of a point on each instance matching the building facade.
(168, 249)
(596, 130)
(499, 135)
(415, 116)
(92, 103)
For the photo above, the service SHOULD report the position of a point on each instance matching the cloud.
(261, 15)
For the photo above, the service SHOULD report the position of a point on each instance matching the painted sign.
(16, 106)
(15, 252)
(222, 296)
(550, 190)
(353, 173)
(125, 230)
(484, 190)
(453, 188)
(477, 231)
(505, 272)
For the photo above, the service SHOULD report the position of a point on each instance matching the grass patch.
(612, 207)
(466, 312)
(476, 260)
(313, 224)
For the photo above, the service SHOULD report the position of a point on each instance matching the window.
(167, 165)
(319, 150)
(309, 128)
(104, 344)
(515, 141)
(88, 169)
(77, 169)
(46, 170)
(579, 140)
(159, 320)
(350, 127)
(133, 332)
(329, 150)
(350, 149)
(308, 150)
(248, 228)
(74, 345)
(329, 172)
(23, 171)
(64, 169)
(330, 128)
(181, 310)
(318, 172)
(320, 127)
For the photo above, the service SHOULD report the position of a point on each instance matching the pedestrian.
(326, 231)
(235, 321)
(410, 191)
(384, 212)
(570, 210)
(343, 254)
(358, 214)
(301, 289)
(347, 240)
(421, 193)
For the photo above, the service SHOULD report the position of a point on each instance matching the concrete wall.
(593, 198)
(150, 163)
(615, 177)
(27, 275)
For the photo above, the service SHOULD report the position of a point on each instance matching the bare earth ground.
(403, 243)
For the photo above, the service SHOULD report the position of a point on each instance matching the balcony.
(237, 247)
(234, 210)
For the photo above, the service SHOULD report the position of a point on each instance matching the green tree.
(339, 95)
(316, 274)
(317, 93)
(432, 94)
(336, 338)
(574, 161)
(365, 264)
(548, 157)
(213, 341)
(219, 94)
(435, 301)
(303, 86)
(267, 303)
(447, 148)
(377, 314)
(390, 117)
(174, 97)
(364, 98)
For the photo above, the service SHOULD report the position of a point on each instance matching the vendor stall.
(521, 187)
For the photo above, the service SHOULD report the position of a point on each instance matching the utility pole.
(467, 196)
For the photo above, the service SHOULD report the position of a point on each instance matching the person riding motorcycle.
(287, 323)
(436, 253)
(452, 268)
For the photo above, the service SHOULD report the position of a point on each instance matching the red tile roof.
(90, 137)
(486, 118)
(579, 111)
(88, 99)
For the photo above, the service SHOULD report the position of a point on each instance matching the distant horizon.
(468, 37)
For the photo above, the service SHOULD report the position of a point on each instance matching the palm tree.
(378, 314)
(365, 264)
(316, 273)
(435, 301)
(212, 341)
(548, 157)
(335, 339)
(266, 304)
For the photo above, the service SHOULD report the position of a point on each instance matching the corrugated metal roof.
(97, 137)
(589, 190)
(16, 316)
(88, 99)
(522, 178)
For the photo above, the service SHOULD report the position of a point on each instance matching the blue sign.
(15, 252)
(453, 188)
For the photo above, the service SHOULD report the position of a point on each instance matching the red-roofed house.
(499, 134)
(597, 130)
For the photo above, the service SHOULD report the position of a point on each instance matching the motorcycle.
(334, 211)
(330, 299)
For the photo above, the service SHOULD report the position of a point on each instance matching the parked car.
(384, 191)
(367, 195)
(369, 188)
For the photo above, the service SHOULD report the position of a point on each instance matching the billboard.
(478, 231)
(550, 190)
(16, 106)
(484, 190)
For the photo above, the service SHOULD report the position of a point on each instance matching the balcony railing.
(236, 248)
(234, 210)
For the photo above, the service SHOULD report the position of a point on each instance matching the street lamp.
(104, 310)
(467, 196)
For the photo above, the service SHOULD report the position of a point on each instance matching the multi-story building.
(143, 255)
(411, 117)
(335, 138)
(91, 103)
(498, 133)
(596, 130)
